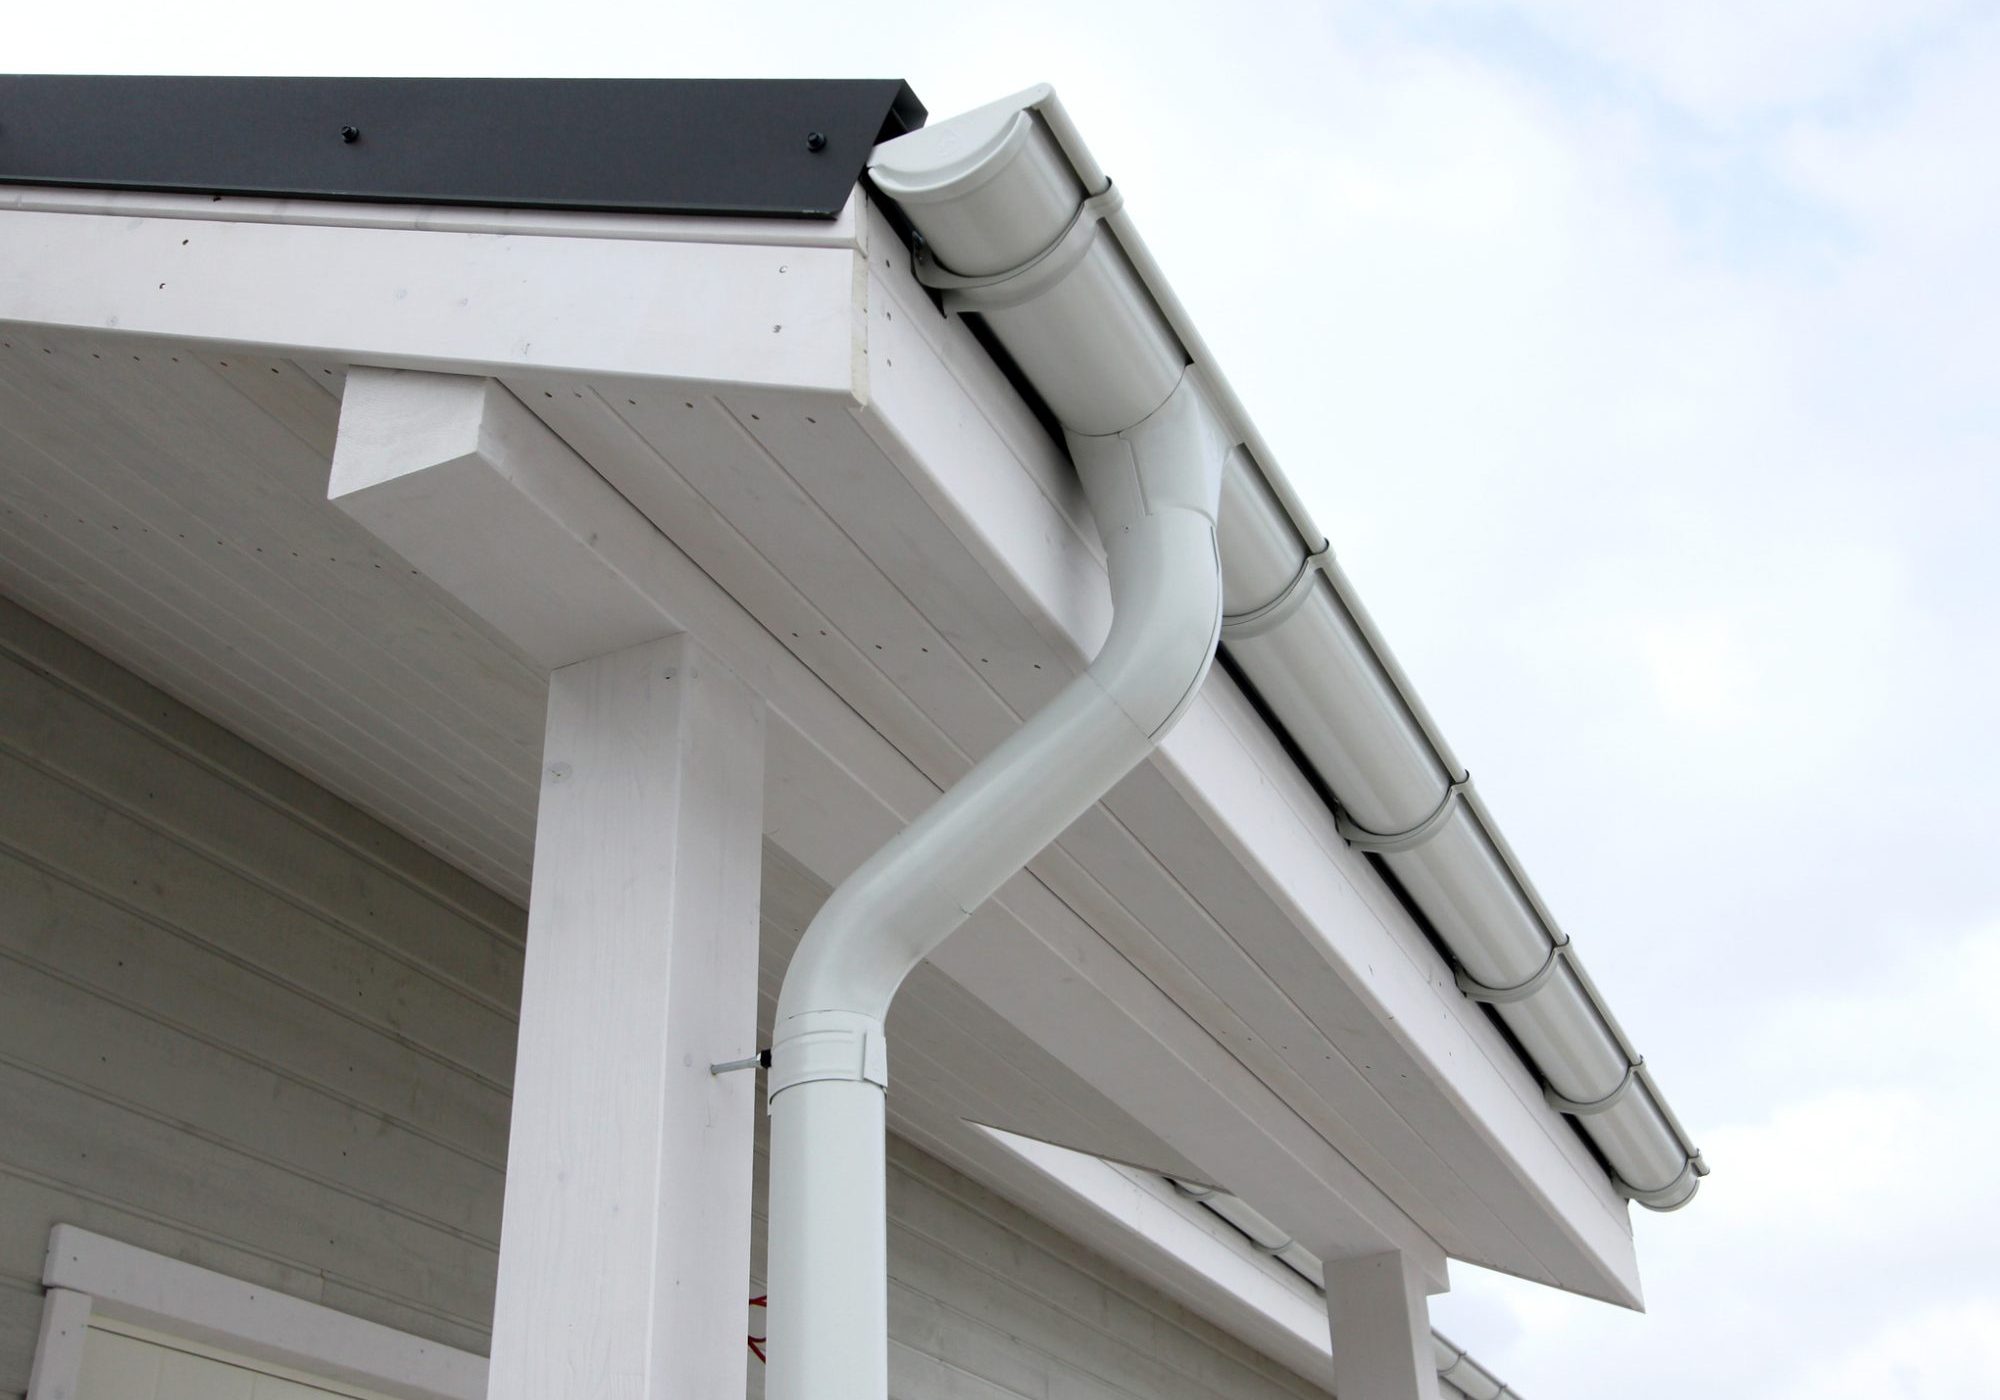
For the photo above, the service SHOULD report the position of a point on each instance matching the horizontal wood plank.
(241, 1024)
(101, 682)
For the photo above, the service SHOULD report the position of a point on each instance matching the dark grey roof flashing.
(770, 148)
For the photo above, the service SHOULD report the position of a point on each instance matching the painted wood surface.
(441, 300)
(60, 1345)
(309, 1113)
(123, 1288)
(453, 473)
(1380, 1317)
(240, 1023)
(169, 505)
(625, 1247)
(119, 1365)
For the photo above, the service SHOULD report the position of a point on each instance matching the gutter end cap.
(954, 157)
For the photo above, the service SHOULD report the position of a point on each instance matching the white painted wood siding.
(244, 1025)
(240, 1023)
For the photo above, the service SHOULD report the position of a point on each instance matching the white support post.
(1379, 1311)
(625, 1243)
(625, 1238)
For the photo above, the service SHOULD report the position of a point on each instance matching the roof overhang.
(767, 435)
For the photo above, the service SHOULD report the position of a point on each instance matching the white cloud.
(1947, 1351)
(1728, 60)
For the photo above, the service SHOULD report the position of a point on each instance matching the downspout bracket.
(828, 1045)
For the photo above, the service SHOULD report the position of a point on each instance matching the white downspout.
(1150, 450)
(987, 191)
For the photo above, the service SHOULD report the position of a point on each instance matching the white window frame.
(89, 1277)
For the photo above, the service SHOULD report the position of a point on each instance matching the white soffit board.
(839, 517)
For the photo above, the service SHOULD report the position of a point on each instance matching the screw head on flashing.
(815, 140)
(350, 134)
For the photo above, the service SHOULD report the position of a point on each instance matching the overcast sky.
(1643, 362)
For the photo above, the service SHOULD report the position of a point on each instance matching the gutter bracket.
(1520, 991)
(1389, 843)
(1673, 1195)
(1237, 627)
(1019, 285)
(1585, 1108)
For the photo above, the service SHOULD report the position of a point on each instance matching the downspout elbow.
(1154, 489)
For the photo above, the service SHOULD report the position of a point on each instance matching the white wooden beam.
(452, 473)
(625, 1239)
(1380, 1318)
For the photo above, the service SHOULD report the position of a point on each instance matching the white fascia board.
(494, 294)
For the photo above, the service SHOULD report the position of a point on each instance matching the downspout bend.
(1155, 490)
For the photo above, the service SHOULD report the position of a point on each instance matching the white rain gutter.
(1297, 634)
(1455, 1365)
(1150, 447)
(1019, 226)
